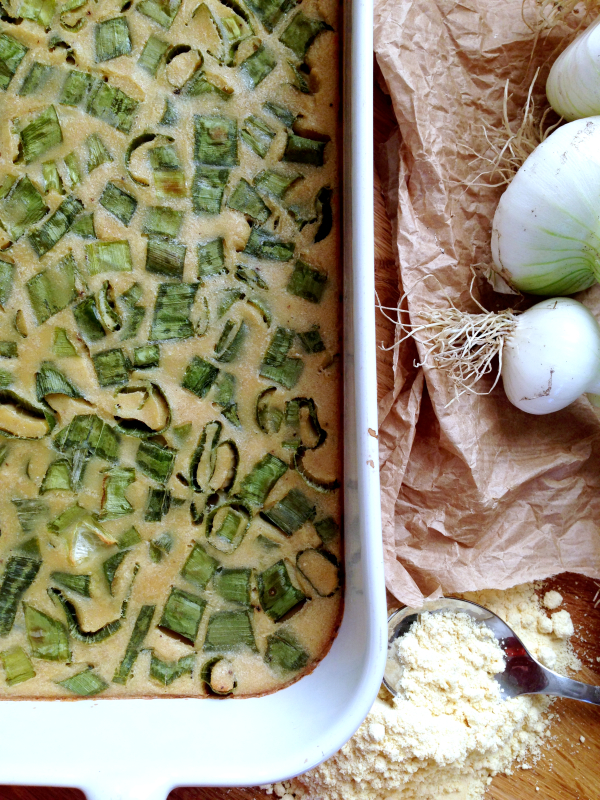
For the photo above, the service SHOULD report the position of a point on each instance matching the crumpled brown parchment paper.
(476, 494)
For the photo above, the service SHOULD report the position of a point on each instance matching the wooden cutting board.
(569, 769)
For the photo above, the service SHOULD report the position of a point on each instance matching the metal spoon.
(522, 675)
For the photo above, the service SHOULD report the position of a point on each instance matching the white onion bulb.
(552, 356)
(546, 229)
(573, 85)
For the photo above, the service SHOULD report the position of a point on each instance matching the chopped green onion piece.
(22, 207)
(162, 221)
(284, 654)
(199, 84)
(112, 367)
(133, 320)
(266, 543)
(51, 232)
(199, 567)
(251, 277)
(169, 183)
(84, 227)
(152, 55)
(8, 350)
(301, 33)
(165, 672)
(211, 259)
(88, 320)
(257, 66)
(50, 380)
(112, 39)
(215, 141)
(324, 213)
(40, 11)
(229, 630)
(230, 296)
(111, 105)
(67, 518)
(307, 282)
(57, 478)
(7, 273)
(231, 340)
(204, 458)
(270, 11)
(172, 311)
(275, 183)
(97, 152)
(146, 356)
(104, 256)
(156, 460)
(161, 11)
(12, 52)
(277, 593)
(52, 180)
(62, 347)
(165, 257)
(119, 203)
(158, 506)
(106, 307)
(299, 81)
(225, 398)
(170, 116)
(163, 544)
(208, 188)
(40, 135)
(301, 150)
(321, 569)
(139, 633)
(52, 289)
(312, 341)
(257, 135)
(76, 631)
(182, 432)
(35, 80)
(72, 165)
(268, 417)
(91, 435)
(114, 503)
(257, 484)
(291, 512)
(79, 584)
(76, 88)
(29, 512)
(199, 376)
(47, 636)
(84, 684)
(246, 199)
(31, 549)
(182, 614)
(233, 585)
(282, 114)
(264, 244)
(17, 666)
(129, 539)
(20, 573)
(276, 366)
(226, 526)
(315, 483)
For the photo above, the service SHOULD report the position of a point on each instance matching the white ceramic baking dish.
(141, 749)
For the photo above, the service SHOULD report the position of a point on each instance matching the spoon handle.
(566, 687)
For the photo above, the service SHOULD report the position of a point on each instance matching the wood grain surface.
(569, 769)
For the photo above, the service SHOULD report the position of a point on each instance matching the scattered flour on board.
(449, 732)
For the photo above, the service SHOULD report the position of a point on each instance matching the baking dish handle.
(131, 788)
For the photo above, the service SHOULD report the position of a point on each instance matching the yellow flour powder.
(449, 732)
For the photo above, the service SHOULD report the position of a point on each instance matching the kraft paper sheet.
(476, 494)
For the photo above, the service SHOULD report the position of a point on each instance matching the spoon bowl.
(523, 674)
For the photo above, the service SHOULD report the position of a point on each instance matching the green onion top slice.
(257, 135)
(266, 245)
(47, 636)
(17, 666)
(40, 11)
(270, 12)
(114, 503)
(52, 289)
(300, 150)
(233, 585)
(51, 232)
(97, 152)
(152, 55)
(257, 484)
(291, 512)
(284, 654)
(229, 631)
(211, 259)
(19, 574)
(84, 684)
(57, 477)
(12, 52)
(258, 65)
(118, 202)
(199, 376)
(111, 105)
(139, 633)
(104, 256)
(301, 33)
(307, 282)
(155, 460)
(161, 11)
(162, 221)
(282, 114)
(172, 311)
(208, 188)
(165, 672)
(36, 79)
(246, 199)
(215, 141)
(278, 595)
(40, 135)
(112, 39)
(112, 368)
(199, 567)
(164, 257)
(22, 208)
(50, 380)
(182, 614)
(78, 584)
